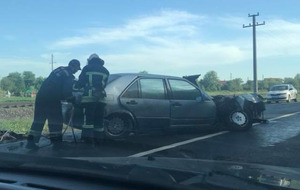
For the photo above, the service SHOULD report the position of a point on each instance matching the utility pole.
(253, 25)
(52, 62)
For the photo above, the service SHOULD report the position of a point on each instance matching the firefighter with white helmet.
(93, 79)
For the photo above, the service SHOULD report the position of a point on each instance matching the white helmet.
(94, 55)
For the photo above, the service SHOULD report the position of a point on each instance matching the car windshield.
(164, 92)
(279, 88)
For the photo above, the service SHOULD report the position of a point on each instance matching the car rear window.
(111, 78)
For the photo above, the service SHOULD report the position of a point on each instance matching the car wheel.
(289, 99)
(117, 127)
(240, 120)
(296, 100)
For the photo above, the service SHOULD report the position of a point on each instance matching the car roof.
(146, 75)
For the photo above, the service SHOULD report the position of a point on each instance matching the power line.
(253, 25)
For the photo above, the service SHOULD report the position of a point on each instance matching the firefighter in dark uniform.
(93, 79)
(57, 87)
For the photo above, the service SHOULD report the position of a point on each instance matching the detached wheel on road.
(240, 120)
(117, 127)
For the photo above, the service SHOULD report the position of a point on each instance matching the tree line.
(21, 84)
(211, 82)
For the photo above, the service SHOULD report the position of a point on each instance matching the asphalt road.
(274, 143)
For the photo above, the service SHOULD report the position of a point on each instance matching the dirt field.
(16, 113)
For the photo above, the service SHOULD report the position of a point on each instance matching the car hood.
(220, 172)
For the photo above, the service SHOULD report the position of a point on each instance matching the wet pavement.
(277, 142)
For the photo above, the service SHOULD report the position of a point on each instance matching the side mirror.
(199, 99)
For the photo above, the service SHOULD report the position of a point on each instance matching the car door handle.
(132, 102)
(176, 104)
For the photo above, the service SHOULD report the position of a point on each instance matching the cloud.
(178, 59)
(178, 42)
(167, 22)
(233, 22)
(279, 38)
(40, 68)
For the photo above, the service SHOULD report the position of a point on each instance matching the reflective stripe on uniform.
(99, 129)
(90, 74)
(87, 126)
(55, 134)
(35, 133)
(88, 99)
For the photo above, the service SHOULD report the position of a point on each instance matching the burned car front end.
(239, 112)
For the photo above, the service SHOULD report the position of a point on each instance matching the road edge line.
(200, 138)
(284, 116)
(177, 144)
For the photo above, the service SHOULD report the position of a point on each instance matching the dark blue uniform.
(57, 87)
(93, 79)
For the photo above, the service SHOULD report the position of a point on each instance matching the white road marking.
(178, 144)
(283, 116)
(199, 138)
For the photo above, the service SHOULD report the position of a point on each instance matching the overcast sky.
(172, 37)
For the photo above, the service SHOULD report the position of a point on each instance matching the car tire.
(296, 100)
(240, 120)
(117, 127)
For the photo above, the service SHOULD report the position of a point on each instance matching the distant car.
(282, 92)
(141, 103)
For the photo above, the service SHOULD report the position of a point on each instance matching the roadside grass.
(16, 99)
(17, 125)
(23, 126)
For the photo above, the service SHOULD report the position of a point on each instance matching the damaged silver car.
(140, 103)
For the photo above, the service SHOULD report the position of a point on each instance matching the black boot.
(57, 143)
(31, 143)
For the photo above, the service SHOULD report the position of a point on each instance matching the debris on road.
(10, 136)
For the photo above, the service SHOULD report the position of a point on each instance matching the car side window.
(132, 91)
(182, 90)
(152, 89)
